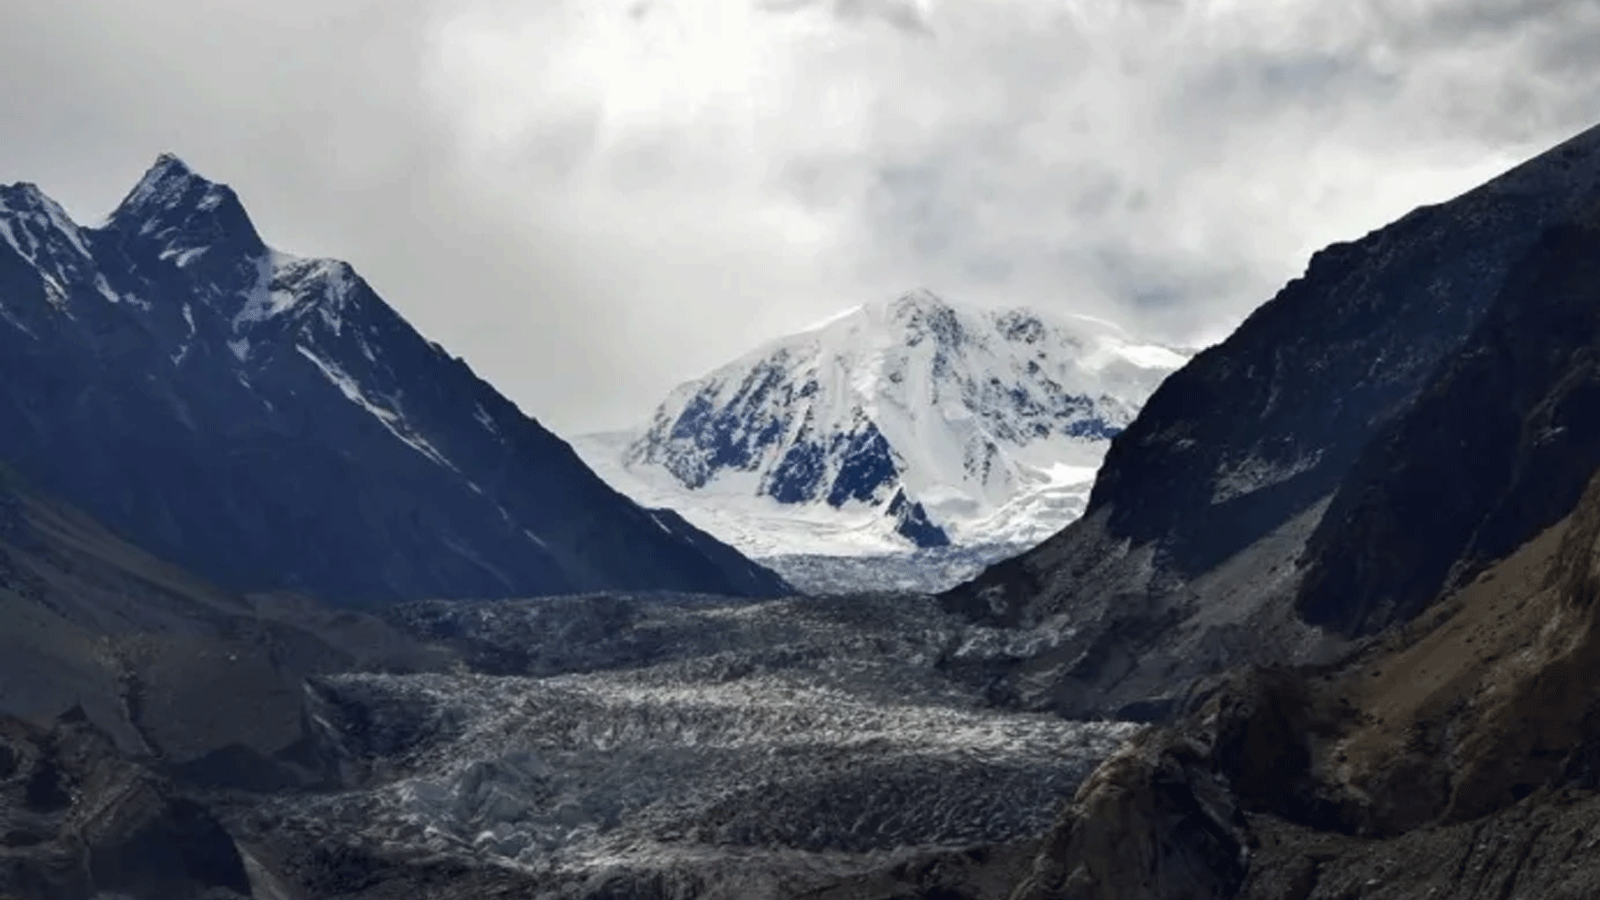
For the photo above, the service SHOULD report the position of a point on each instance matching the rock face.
(268, 422)
(1148, 823)
(1444, 746)
(1454, 758)
(1287, 461)
(912, 423)
(1497, 448)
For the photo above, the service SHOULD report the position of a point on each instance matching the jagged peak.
(17, 194)
(173, 197)
(31, 210)
(25, 196)
(167, 161)
(167, 181)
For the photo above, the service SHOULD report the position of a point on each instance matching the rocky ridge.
(268, 422)
(1229, 505)
(1441, 742)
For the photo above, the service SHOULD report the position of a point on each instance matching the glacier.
(746, 748)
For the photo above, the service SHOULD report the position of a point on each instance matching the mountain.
(268, 422)
(1453, 569)
(1247, 513)
(907, 424)
(1373, 681)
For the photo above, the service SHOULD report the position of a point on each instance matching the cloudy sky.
(594, 199)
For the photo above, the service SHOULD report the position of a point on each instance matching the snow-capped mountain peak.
(910, 421)
(180, 220)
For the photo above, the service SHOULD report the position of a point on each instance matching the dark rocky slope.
(1213, 507)
(1497, 448)
(1455, 757)
(77, 820)
(1448, 750)
(175, 670)
(268, 422)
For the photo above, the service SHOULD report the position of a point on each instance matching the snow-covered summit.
(908, 422)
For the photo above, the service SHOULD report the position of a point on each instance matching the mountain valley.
(295, 607)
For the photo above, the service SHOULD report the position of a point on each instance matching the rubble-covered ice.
(642, 734)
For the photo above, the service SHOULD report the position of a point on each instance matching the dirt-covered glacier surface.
(698, 747)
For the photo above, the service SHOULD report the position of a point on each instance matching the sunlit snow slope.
(894, 426)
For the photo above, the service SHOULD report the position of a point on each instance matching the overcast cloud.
(591, 200)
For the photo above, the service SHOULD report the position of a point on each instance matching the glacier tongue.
(987, 426)
(681, 736)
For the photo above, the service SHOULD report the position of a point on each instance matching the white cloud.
(590, 199)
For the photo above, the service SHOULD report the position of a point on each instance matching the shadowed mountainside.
(1442, 743)
(269, 422)
(1256, 474)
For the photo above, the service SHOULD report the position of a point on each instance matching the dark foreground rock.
(1453, 757)
(77, 820)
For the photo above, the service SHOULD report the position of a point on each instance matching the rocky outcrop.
(1152, 822)
(1169, 816)
(912, 523)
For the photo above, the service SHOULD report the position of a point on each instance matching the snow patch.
(391, 420)
(484, 419)
(183, 258)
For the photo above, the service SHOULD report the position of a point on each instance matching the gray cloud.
(591, 199)
(905, 15)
